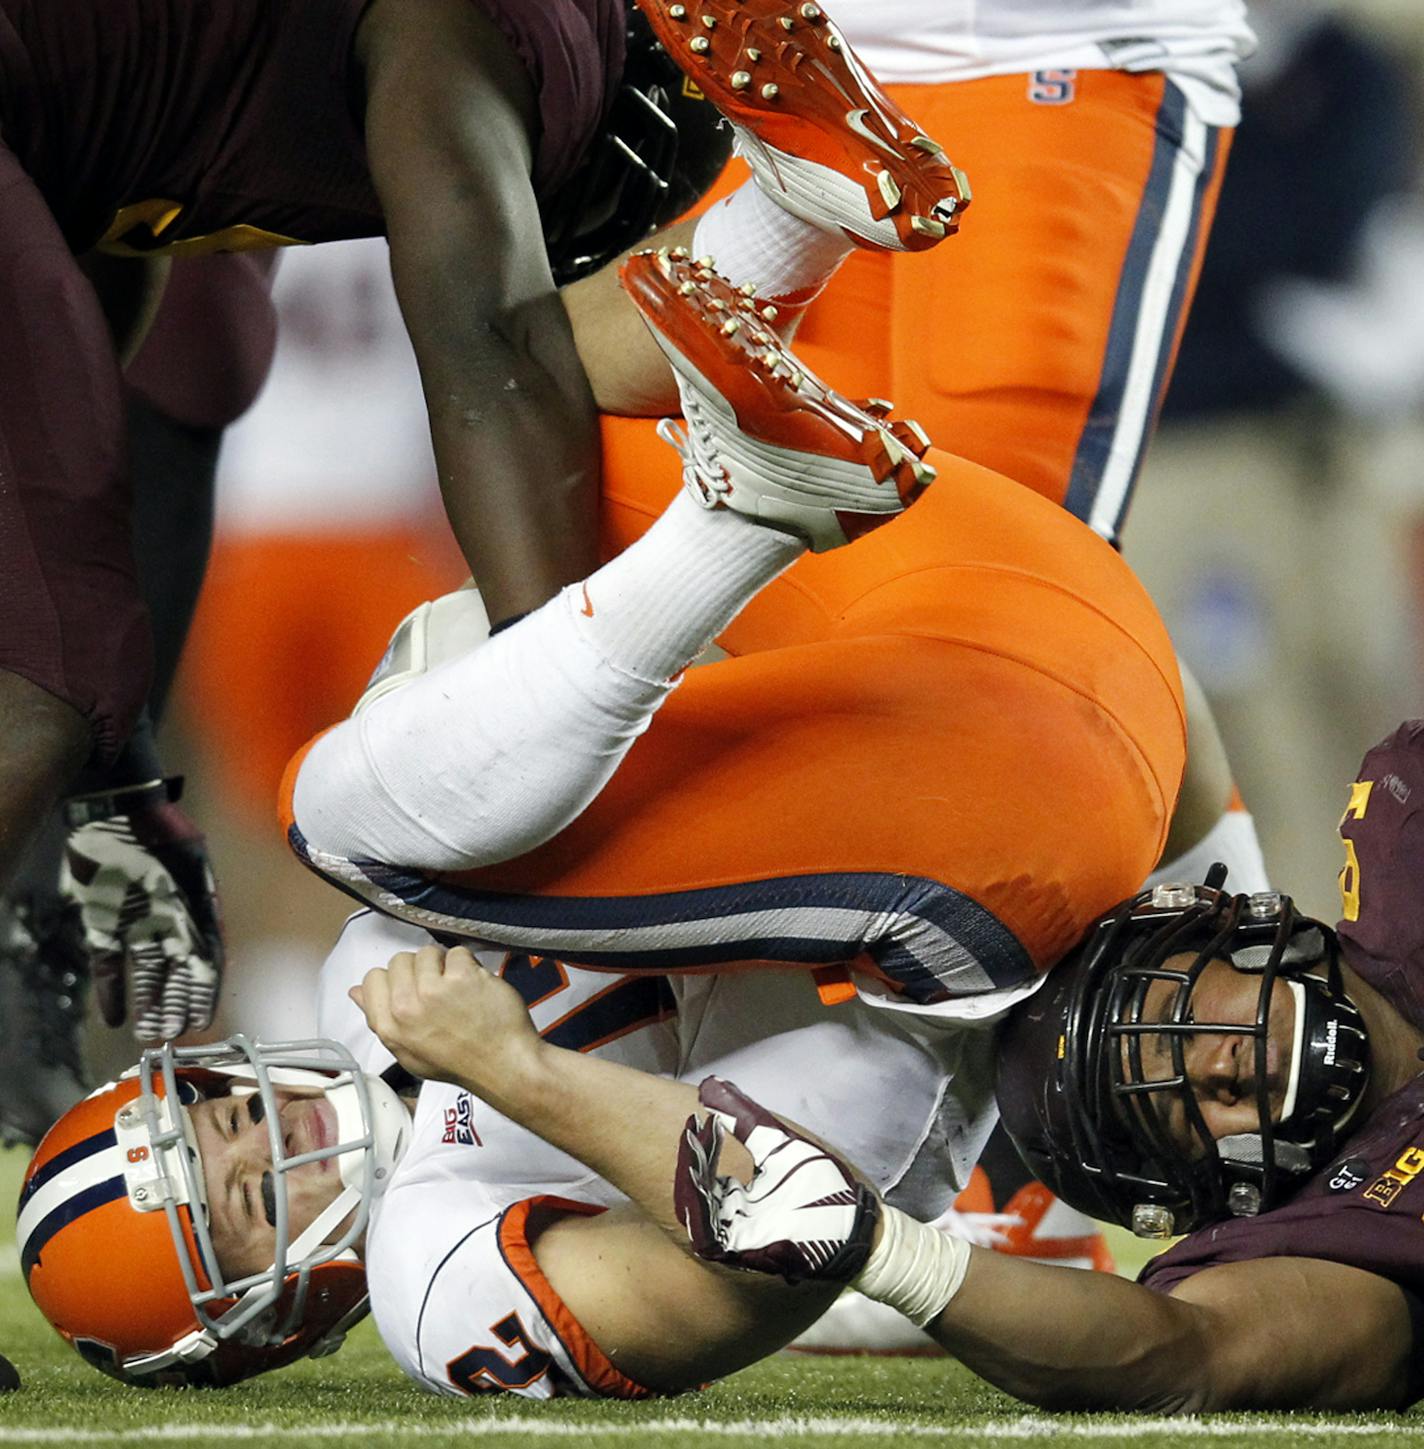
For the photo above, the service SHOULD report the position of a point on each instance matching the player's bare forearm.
(1244, 1336)
(448, 1019)
(1068, 1339)
(516, 445)
(449, 121)
(628, 372)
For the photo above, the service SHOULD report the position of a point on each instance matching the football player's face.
(236, 1155)
(1221, 1066)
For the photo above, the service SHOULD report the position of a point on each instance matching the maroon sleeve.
(1383, 880)
(574, 52)
(1363, 1210)
(206, 357)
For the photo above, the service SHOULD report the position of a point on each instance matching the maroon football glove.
(804, 1215)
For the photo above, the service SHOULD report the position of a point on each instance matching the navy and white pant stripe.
(932, 941)
(1151, 300)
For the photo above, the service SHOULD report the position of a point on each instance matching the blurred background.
(1279, 521)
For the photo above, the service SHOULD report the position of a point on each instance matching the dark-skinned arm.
(450, 115)
(1273, 1333)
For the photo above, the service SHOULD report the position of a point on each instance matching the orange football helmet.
(113, 1223)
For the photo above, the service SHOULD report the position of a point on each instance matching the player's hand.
(137, 869)
(447, 1019)
(803, 1216)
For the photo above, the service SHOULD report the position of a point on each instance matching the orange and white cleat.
(1044, 1229)
(764, 437)
(818, 132)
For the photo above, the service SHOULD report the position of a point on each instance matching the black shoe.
(43, 976)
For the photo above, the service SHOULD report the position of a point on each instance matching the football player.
(454, 126)
(1039, 344)
(1206, 1064)
(891, 770)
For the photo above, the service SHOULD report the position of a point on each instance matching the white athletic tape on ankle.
(915, 1269)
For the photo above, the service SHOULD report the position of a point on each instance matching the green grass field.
(360, 1397)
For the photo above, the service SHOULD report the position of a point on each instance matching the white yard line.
(1020, 1429)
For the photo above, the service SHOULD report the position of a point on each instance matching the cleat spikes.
(921, 437)
(769, 313)
(826, 142)
(895, 450)
(763, 436)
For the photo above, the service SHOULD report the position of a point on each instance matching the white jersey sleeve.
(462, 1304)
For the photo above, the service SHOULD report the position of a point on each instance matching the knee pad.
(434, 632)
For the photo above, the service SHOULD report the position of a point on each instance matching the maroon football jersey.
(226, 124)
(1382, 882)
(1365, 1208)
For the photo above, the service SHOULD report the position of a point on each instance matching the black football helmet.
(1092, 1125)
(662, 146)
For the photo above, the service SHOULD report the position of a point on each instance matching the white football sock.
(751, 239)
(487, 756)
(654, 608)
(1233, 841)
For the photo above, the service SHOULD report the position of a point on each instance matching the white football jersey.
(455, 1291)
(927, 42)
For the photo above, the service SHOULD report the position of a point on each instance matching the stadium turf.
(359, 1397)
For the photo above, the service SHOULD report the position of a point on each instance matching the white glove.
(137, 869)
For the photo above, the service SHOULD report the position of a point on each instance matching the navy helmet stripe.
(63, 1161)
(1095, 445)
(74, 1207)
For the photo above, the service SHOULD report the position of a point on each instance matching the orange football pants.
(1039, 340)
(979, 696)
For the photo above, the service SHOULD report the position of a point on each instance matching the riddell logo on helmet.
(1332, 1035)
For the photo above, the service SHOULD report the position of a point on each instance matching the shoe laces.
(703, 473)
